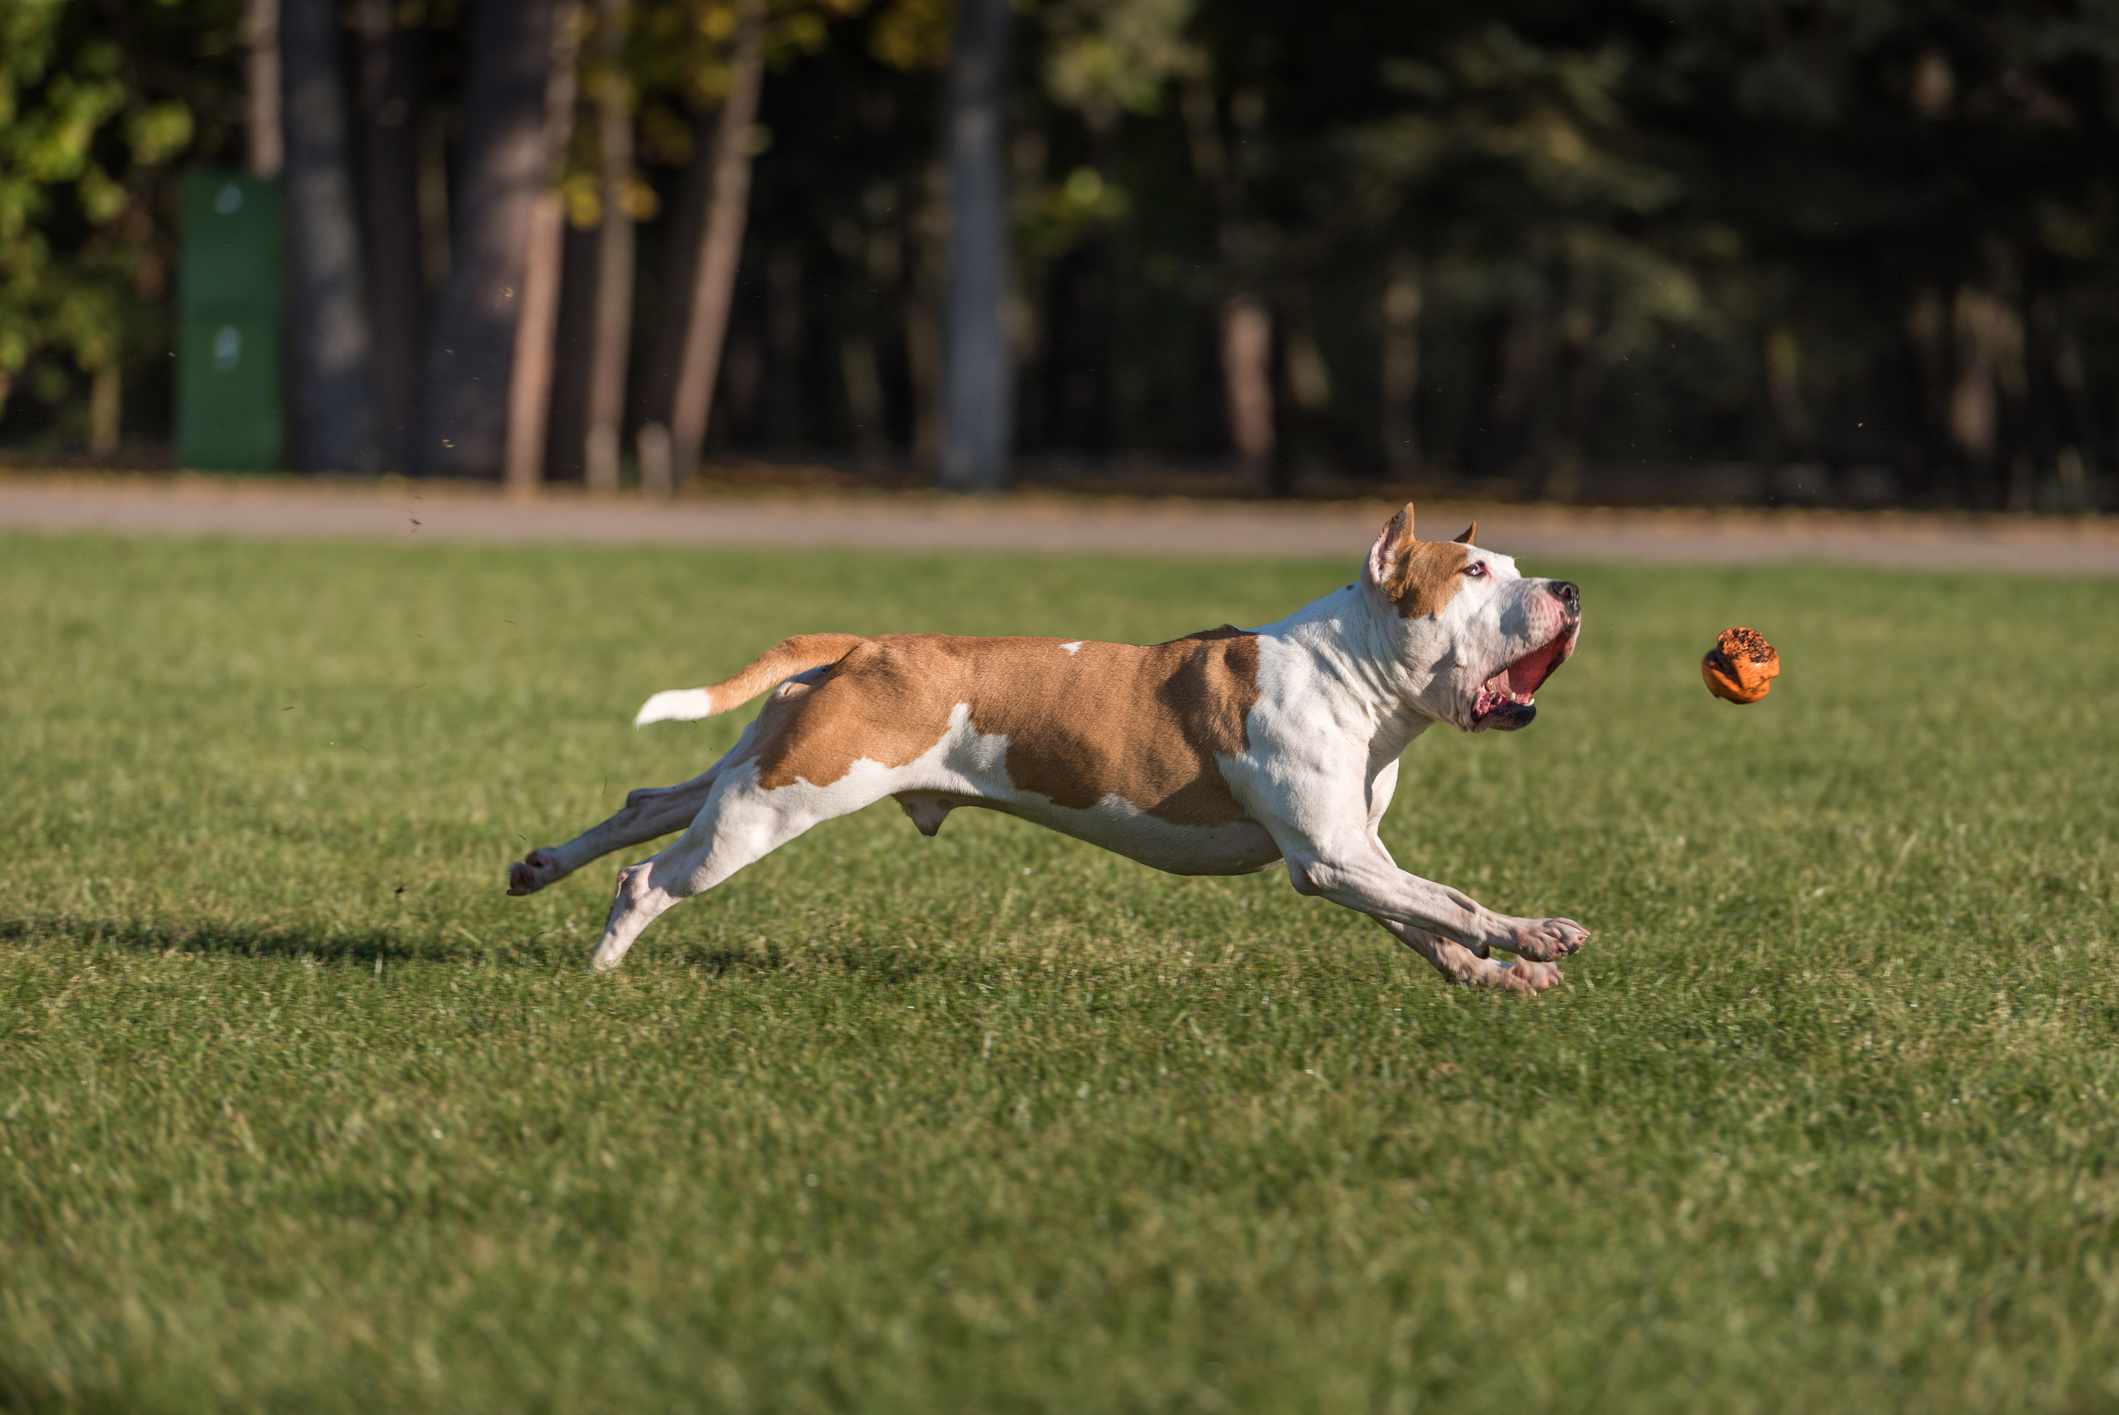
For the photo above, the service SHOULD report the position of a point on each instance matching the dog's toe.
(1543, 940)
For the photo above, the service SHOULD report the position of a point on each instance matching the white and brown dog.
(1217, 753)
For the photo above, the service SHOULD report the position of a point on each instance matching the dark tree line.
(1835, 250)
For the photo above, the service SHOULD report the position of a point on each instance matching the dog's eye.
(1477, 570)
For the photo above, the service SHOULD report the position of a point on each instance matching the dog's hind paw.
(1525, 976)
(533, 872)
(1543, 940)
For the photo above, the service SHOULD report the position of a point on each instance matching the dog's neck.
(1355, 647)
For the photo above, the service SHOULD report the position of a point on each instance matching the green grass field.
(298, 1111)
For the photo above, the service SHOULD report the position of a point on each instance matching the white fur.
(1345, 684)
(675, 705)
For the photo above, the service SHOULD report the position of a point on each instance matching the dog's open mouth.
(1507, 701)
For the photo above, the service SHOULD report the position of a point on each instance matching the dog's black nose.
(1569, 595)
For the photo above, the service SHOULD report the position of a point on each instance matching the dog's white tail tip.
(675, 705)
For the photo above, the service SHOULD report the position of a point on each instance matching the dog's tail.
(777, 664)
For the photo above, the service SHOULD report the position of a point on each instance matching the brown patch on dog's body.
(1420, 577)
(778, 663)
(1140, 722)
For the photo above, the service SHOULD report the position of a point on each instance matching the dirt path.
(421, 513)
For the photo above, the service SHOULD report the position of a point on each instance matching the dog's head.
(1475, 638)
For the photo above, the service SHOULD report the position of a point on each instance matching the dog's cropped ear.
(1390, 558)
(1471, 533)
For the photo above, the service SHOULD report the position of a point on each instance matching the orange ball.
(1741, 666)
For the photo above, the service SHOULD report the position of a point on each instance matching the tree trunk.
(861, 373)
(1247, 384)
(1247, 337)
(1519, 417)
(2075, 467)
(333, 418)
(862, 356)
(389, 79)
(612, 342)
(923, 204)
(566, 433)
(264, 132)
(1303, 391)
(684, 233)
(1564, 401)
(106, 388)
(503, 167)
(785, 337)
(1402, 299)
(714, 281)
(1782, 357)
(530, 374)
(1927, 357)
(434, 234)
(1975, 401)
(976, 378)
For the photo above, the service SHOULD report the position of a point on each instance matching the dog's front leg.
(1359, 873)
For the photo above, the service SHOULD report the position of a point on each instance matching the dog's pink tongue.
(1527, 672)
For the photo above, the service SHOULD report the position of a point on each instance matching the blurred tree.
(1514, 176)
(611, 87)
(712, 55)
(389, 61)
(95, 108)
(332, 423)
(503, 166)
(530, 372)
(726, 198)
(1848, 249)
(976, 421)
(261, 72)
(1904, 190)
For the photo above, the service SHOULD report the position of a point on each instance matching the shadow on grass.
(876, 963)
(873, 962)
(25, 1389)
(252, 940)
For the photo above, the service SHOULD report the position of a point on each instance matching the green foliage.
(1107, 58)
(1664, 231)
(298, 1111)
(97, 104)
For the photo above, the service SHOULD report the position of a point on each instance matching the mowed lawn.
(298, 1111)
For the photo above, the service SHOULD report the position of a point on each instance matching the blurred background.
(1834, 252)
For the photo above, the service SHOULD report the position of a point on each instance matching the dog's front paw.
(533, 872)
(1543, 940)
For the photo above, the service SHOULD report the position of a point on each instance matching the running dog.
(1217, 753)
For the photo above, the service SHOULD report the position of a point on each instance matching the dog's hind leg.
(1460, 965)
(741, 822)
(649, 812)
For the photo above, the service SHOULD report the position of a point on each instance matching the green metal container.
(230, 297)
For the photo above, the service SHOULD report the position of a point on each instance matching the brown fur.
(1141, 722)
(1420, 577)
(778, 663)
